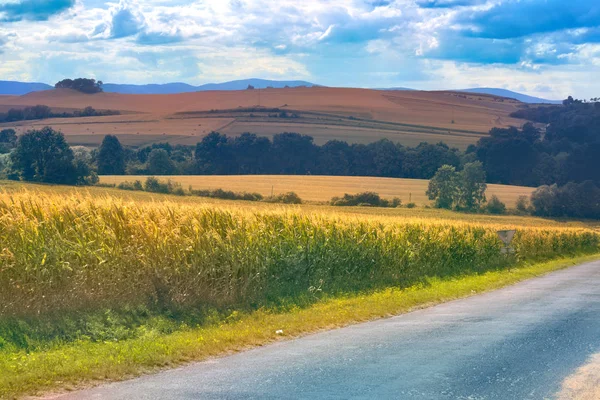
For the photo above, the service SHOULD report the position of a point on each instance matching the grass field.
(323, 188)
(353, 115)
(100, 284)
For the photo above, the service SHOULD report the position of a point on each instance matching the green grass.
(85, 362)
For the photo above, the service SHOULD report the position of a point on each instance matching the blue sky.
(549, 48)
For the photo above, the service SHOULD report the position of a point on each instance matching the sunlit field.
(323, 188)
(87, 272)
(78, 251)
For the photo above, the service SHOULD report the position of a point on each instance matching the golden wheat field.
(323, 188)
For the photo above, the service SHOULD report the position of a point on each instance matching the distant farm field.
(353, 115)
(323, 188)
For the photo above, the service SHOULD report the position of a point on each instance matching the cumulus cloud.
(33, 10)
(158, 38)
(374, 43)
(513, 19)
(125, 22)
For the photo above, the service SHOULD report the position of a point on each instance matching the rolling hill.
(353, 115)
(21, 88)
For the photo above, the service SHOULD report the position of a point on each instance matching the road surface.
(520, 342)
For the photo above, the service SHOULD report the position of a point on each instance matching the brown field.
(323, 188)
(354, 115)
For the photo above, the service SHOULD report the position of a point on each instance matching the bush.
(227, 195)
(287, 198)
(137, 185)
(495, 206)
(523, 205)
(153, 185)
(578, 200)
(365, 199)
(411, 205)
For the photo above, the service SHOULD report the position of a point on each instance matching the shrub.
(495, 206)
(155, 186)
(137, 185)
(411, 205)
(287, 198)
(365, 199)
(523, 204)
(227, 195)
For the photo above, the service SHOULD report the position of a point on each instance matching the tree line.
(44, 112)
(286, 153)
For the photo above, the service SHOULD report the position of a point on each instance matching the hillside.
(354, 115)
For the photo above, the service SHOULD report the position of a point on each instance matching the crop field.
(99, 283)
(353, 115)
(80, 252)
(323, 188)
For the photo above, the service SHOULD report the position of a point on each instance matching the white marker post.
(507, 237)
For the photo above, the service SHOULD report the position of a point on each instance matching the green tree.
(159, 163)
(214, 155)
(495, 206)
(8, 136)
(44, 156)
(111, 157)
(443, 187)
(471, 187)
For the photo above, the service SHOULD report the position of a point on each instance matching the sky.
(548, 48)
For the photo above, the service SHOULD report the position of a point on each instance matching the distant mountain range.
(21, 88)
(169, 88)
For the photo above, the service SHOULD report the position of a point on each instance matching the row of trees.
(287, 153)
(579, 200)
(566, 150)
(44, 112)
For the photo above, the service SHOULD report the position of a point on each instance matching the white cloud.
(332, 42)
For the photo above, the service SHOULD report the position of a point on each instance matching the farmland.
(100, 283)
(323, 188)
(353, 115)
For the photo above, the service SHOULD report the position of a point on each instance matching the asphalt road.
(516, 343)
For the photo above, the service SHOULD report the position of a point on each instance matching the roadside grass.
(84, 363)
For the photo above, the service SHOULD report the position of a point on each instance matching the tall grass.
(77, 253)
